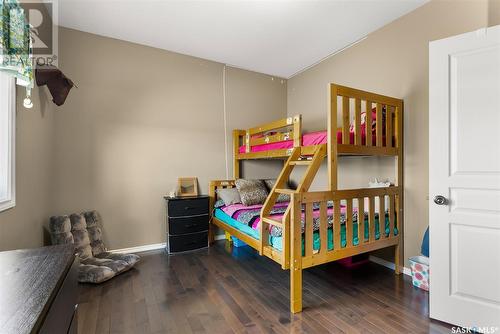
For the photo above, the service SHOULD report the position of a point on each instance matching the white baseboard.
(387, 264)
(150, 247)
(138, 249)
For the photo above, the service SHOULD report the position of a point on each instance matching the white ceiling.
(277, 37)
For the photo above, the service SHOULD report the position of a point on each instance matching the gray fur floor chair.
(84, 231)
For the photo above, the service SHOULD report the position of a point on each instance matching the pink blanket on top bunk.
(310, 139)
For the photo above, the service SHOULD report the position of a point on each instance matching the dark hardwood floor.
(221, 290)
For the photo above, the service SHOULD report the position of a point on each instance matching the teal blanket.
(277, 242)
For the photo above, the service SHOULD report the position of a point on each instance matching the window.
(7, 141)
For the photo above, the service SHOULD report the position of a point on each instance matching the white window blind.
(7, 141)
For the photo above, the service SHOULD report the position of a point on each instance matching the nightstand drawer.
(187, 242)
(188, 207)
(183, 225)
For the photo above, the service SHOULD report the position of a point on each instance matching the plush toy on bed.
(378, 184)
(84, 231)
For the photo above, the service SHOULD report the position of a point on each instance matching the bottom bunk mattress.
(246, 219)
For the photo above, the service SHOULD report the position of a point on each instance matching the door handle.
(440, 200)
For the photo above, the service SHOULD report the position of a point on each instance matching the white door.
(464, 168)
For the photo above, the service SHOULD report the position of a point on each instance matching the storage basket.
(420, 272)
(237, 242)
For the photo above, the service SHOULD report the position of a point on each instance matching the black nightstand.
(187, 223)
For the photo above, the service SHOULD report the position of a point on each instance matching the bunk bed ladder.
(296, 159)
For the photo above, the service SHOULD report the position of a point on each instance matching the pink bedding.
(250, 215)
(310, 139)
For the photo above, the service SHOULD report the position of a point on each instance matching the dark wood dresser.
(39, 290)
(187, 223)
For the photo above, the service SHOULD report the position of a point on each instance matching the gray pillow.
(93, 221)
(229, 195)
(60, 230)
(281, 197)
(105, 266)
(251, 191)
(129, 259)
(94, 273)
(80, 236)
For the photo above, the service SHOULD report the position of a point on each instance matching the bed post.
(399, 249)
(236, 151)
(297, 130)
(296, 255)
(332, 138)
(211, 203)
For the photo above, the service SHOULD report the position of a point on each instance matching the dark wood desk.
(38, 290)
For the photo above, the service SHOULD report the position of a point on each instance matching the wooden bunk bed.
(383, 138)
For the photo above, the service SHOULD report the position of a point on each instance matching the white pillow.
(229, 195)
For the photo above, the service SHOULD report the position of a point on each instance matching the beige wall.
(253, 99)
(23, 225)
(391, 61)
(140, 118)
(493, 12)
